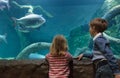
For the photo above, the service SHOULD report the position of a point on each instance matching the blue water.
(67, 15)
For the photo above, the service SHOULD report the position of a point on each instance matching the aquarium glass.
(27, 27)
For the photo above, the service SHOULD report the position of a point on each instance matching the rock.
(39, 69)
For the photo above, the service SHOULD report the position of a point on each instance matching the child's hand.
(80, 56)
(117, 76)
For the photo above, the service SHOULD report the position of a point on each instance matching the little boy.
(105, 63)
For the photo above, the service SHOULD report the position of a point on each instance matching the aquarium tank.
(27, 27)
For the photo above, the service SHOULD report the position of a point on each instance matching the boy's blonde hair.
(99, 24)
(59, 45)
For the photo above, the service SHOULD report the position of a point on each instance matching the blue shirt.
(101, 44)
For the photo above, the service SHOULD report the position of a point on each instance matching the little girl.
(60, 61)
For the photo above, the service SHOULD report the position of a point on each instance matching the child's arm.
(71, 68)
(69, 56)
(117, 76)
(88, 55)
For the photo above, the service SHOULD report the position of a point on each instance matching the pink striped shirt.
(59, 65)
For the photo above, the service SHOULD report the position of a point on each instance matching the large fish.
(33, 48)
(29, 22)
(4, 4)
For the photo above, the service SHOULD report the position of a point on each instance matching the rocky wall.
(39, 69)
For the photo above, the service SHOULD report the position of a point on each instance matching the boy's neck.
(95, 34)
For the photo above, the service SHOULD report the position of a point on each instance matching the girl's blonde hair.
(59, 45)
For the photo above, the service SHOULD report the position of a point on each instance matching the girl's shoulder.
(48, 55)
(67, 54)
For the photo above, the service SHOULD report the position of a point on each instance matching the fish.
(29, 22)
(4, 4)
(3, 38)
(33, 48)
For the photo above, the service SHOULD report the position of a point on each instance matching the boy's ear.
(93, 27)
